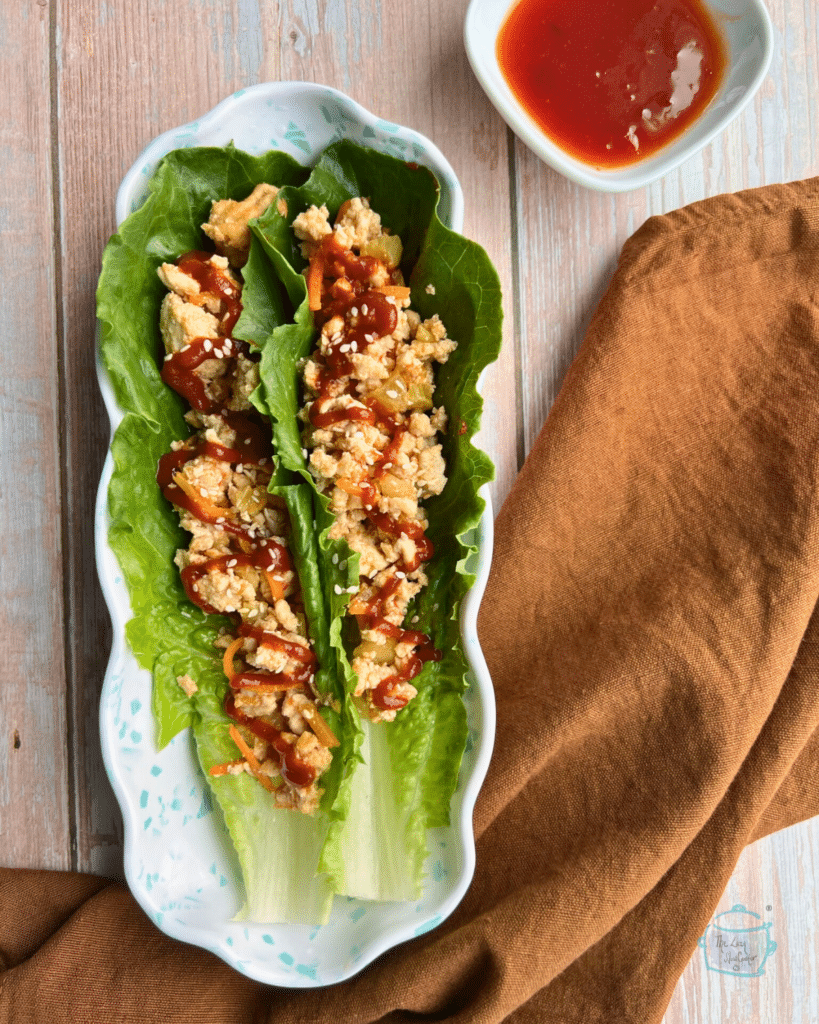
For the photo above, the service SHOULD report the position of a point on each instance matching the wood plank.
(34, 805)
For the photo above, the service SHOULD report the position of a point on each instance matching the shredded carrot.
(291, 684)
(395, 290)
(250, 757)
(204, 504)
(230, 654)
(350, 486)
(315, 276)
(276, 586)
(324, 734)
(223, 769)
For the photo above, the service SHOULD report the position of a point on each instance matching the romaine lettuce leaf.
(278, 852)
(411, 766)
(168, 635)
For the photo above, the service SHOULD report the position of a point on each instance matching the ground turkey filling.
(370, 428)
(237, 563)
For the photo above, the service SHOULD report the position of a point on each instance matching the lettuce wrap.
(390, 782)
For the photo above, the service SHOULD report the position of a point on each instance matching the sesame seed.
(401, 575)
(231, 563)
(335, 559)
(337, 589)
(220, 520)
(393, 394)
(196, 587)
(414, 619)
(168, 356)
(218, 353)
(203, 492)
(352, 590)
(354, 311)
(208, 346)
(364, 309)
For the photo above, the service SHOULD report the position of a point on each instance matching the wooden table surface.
(86, 85)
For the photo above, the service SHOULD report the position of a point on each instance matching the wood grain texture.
(34, 782)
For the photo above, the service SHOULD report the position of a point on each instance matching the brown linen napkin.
(651, 630)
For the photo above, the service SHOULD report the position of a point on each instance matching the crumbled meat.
(357, 225)
(187, 685)
(228, 223)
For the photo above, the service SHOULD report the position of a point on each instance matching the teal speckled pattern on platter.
(179, 862)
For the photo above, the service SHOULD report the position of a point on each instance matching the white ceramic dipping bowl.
(746, 28)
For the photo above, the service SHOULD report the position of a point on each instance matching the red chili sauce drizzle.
(253, 440)
(345, 290)
(384, 695)
(178, 369)
(597, 76)
(214, 280)
(267, 556)
(294, 770)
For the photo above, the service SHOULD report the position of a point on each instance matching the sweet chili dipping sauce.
(612, 81)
